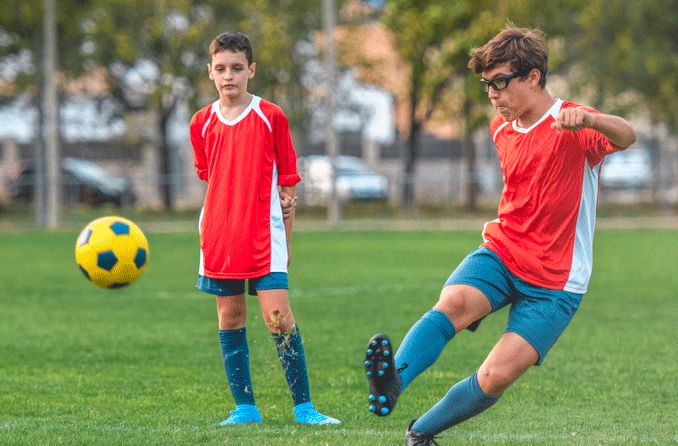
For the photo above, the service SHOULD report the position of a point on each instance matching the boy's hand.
(288, 204)
(573, 119)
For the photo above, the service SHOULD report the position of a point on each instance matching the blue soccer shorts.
(538, 315)
(236, 287)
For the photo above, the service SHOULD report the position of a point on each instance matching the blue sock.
(293, 361)
(422, 345)
(236, 356)
(463, 401)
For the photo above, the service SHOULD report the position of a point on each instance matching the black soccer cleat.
(414, 438)
(382, 375)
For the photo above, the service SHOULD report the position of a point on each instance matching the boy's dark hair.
(524, 48)
(232, 41)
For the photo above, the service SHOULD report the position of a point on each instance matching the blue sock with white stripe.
(463, 401)
(422, 345)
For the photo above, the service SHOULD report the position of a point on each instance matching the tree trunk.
(411, 151)
(469, 154)
(165, 164)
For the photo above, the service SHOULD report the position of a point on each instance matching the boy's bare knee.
(494, 380)
(463, 304)
(232, 317)
(279, 321)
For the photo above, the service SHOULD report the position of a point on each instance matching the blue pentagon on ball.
(140, 258)
(106, 260)
(120, 228)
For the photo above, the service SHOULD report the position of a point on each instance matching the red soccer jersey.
(242, 235)
(544, 233)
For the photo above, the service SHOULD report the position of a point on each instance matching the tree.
(434, 39)
(28, 59)
(164, 46)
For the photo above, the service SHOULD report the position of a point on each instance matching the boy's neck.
(231, 108)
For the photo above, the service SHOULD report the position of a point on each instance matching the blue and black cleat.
(382, 375)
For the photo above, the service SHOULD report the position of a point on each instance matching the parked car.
(628, 169)
(354, 181)
(83, 181)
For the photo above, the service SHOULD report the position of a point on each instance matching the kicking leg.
(457, 308)
(509, 359)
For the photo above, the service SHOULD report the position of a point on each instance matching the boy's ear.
(209, 70)
(252, 69)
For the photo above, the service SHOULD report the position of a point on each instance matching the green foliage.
(141, 365)
(21, 43)
(174, 36)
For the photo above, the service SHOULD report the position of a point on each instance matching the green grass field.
(141, 365)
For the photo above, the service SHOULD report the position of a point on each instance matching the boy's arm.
(198, 143)
(288, 202)
(615, 128)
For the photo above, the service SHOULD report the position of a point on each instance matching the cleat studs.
(381, 373)
(370, 351)
(369, 373)
(384, 410)
(383, 399)
(384, 342)
(385, 365)
(374, 343)
(368, 362)
(386, 352)
(373, 398)
(372, 408)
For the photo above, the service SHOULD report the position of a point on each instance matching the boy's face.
(512, 101)
(230, 73)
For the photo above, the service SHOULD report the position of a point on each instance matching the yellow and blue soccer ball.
(111, 252)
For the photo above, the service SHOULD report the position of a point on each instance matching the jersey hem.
(526, 278)
(240, 276)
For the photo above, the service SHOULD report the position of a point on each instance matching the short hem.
(236, 287)
(474, 285)
(542, 355)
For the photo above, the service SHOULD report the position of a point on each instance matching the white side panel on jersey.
(582, 254)
(278, 237)
(256, 105)
(201, 268)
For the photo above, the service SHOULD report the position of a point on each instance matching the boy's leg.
(280, 321)
(509, 359)
(477, 287)
(458, 306)
(537, 319)
(232, 311)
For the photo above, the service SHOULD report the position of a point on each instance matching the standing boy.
(536, 256)
(243, 150)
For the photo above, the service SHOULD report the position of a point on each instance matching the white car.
(355, 181)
